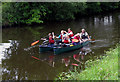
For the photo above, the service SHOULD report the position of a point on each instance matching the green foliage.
(22, 13)
(93, 8)
(63, 11)
(107, 6)
(29, 13)
(104, 69)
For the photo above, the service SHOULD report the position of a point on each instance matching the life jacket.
(71, 35)
(65, 40)
(51, 40)
(61, 36)
(84, 36)
(77, 37)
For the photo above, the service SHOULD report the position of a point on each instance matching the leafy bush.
(29, 13)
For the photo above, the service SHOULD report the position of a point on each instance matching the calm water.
(16, 52)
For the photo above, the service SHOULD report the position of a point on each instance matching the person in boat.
(50, 38)
(70, 33)
(77, 39)
(84, 35)
(63, 37)
(60, 36)
(66, 39)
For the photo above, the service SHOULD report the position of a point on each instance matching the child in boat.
(51, 38)
(70, 33)
(77, 39)
(84, 35)
(66, 39)
(60, 36)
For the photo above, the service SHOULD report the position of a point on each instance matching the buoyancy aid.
(84, 36)
(71, 35)
(61, 36)
(51, 40)
(66, 40)
(77, 37)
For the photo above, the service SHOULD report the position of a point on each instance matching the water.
(17, 54)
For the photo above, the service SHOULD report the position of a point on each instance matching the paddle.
(75, 40)
(32, 44)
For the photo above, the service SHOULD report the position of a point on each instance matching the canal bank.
(104, 68)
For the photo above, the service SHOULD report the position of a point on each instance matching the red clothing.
(61, 36)
(77, 37)
(71, 35)
(66, 41)
(51, 40)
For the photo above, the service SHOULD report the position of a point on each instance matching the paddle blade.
(75, 40)
(34, 43)
(35, 58)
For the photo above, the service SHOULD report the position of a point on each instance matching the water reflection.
(66, 61)
(76, 57)
(51, 60)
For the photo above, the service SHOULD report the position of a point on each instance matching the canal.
(17, 53)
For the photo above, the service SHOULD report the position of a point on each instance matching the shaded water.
(17, 54)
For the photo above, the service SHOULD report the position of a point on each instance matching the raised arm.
(53, 34)
(43, 39)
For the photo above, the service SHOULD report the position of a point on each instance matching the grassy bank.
(105, 68)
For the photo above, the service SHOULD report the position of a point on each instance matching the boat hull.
(45, 48)
(58, 50)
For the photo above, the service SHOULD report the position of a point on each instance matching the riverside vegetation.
(28, 13)
(105, 68)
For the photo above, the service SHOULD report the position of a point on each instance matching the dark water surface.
(16, 52)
